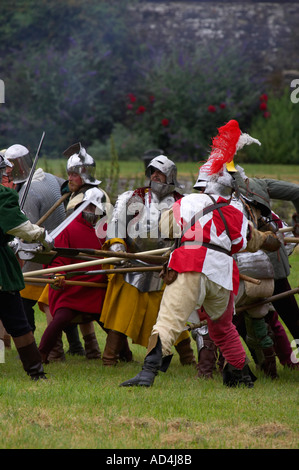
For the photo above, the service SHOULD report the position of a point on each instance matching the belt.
(208, 245)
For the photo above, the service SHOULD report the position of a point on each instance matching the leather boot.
(153, 362)
(269, 363)
(57, 353)
(72, 334)
(125, 354)
(185, 352)
(32, 361)
(233, 377)
(7, 341)
(207, 357)
(92, 349)
(116, 348)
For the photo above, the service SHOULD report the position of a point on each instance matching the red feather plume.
(223, 146)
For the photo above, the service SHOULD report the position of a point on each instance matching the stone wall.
(267, 31)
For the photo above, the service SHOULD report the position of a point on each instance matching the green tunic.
(11, 277)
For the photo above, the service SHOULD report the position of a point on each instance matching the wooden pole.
(291, 240)
(243, 277)
(193, 326)
(242, 308)
(123, 271)
(80, 253)
(68, 283)
(70, 267)
(52, 209)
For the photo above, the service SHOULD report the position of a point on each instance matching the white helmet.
(96, 197)
(19, 156)
(202, 180)
(82, 163)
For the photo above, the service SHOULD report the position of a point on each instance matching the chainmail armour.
(43, 193)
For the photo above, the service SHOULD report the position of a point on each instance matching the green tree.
(277, 128)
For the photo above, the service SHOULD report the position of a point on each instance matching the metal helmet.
(201, 182)
(19, 156)
(149, 155)
(166, 166)
(3, 164)
(222, 183)
(82, 163)
(96, 197)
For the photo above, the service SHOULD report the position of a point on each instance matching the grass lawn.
(81, 405)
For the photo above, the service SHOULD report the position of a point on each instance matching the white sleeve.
(28, 232)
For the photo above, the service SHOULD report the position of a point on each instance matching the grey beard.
(162, 189)
(90, 217)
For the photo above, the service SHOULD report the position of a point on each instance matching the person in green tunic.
(13, 223)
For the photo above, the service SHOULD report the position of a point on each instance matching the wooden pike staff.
(242, 308)
(68, 283)
(81, 252)
(291, 240)
(52, 209)
(70, 267)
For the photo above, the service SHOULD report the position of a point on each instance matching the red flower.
(140, 110)
(263, 106)
(129, 106)
(222, 106)
(211, 108)
(132, 97)
(266, 114)
(264, 97)
(165, 122)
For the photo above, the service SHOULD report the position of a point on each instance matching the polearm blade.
(27, 187)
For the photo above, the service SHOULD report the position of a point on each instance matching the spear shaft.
(287, 293)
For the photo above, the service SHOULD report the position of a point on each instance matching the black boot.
(32, 362)
(233, 377)
(153, 362)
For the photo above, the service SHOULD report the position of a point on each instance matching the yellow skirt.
(32, 292)
(43, 300)
(130, 311)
